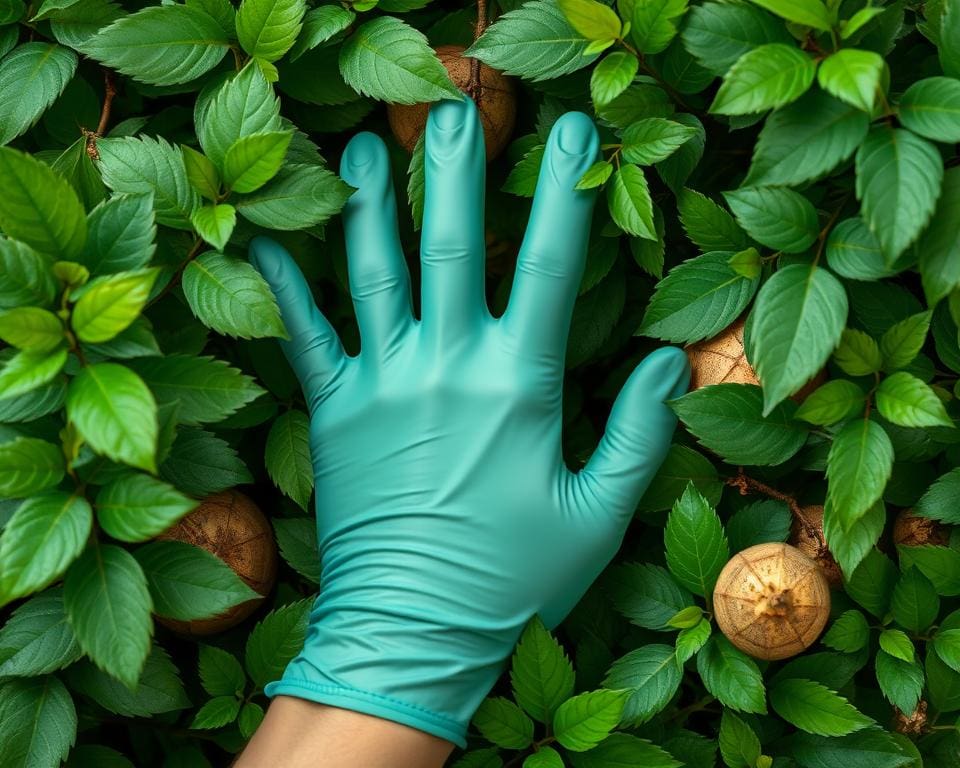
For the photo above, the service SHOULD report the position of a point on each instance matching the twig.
(175, 280)
(474, 86)
(746, 484)
(109, 91)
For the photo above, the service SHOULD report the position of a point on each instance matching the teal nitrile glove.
(445, 513)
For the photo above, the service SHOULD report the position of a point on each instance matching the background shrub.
(788, 162)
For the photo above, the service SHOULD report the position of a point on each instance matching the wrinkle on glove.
(446, 516)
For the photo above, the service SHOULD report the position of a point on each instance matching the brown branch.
(109, 91)
(474, 87)
(747, 485)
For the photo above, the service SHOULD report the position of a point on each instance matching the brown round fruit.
(911, 530)
(771, 601)
(230, 526)
(806, 534)
(497, 103)
(723, 360)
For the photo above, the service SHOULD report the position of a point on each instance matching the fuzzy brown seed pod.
(806, 534)
(723, 360)
(232, 527)
(913, 725)
(911, 530)
(771, 601)
(497, 103)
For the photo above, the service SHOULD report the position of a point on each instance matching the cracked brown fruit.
(497, 104)
(806, 534)
(230, 526)
(912, 530)
(913, 724)
(723, 360)
(771, 601)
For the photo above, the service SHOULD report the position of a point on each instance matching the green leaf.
(186, 582)
(36, 639)
(853, 251)
(275, 641)
(540, 673)
(872, 583)
(38, 722)
(320, 25)
(718, 34)
(860, 19)
(480, 758)
(585, 720)
(45, 535)
(797, 320)
(850, 547)
(31, 328)
(111, 303)
(859, 465)
(628, 198)
(806, 140)
(905, 400)
(137, 507)
(739, 745)
(898, 182)
(777, 217)
(299, 197)
(220, 672)
(200, 464)
(215, 223)
(26, 371)
(217, 712)
(162, 45)
(544, 757)
(593, 20)
(29, 465)
(297, 539)
(534, 41)
(858, 354)
(206, 389)
(32, 76)
(696, 547)
(622, 750)
(902, 341)
(931, 108)
(681, 465)
(728, 420)
(242, 106)
(939, 500)
(96, 756)
(115, 413)
(731, 676)
(862, 749)
(809, 13)
(231, 297)
(852, 76)
(766, 77)
(939, 245)
(654, 23)
(897, 644)
(121, 233)
(267, 29)
(946, 643)
(758, 523)
(27, 278)
(388, 59)
(849, 633)
(691, 640)
(697, 299)
(652, 675)
(158, 689)
(708, 225)
(252, 161)
(646, 594)
(653, 139)
(611, 76)
(522, 179)
(503, 723)
(595, 176)
(201, 173)
(108, 604)
(150, 166)
(816, 709)
(251, 715)
(915, 604)
(687, 618)
(288, 457)
(39, 208)
(900, 681)
(832, 402)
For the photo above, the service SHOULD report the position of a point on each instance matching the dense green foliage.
(796, 159)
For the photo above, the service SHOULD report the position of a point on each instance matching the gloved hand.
(445, 513)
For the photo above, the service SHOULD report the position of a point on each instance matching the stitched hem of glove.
(372, 704)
